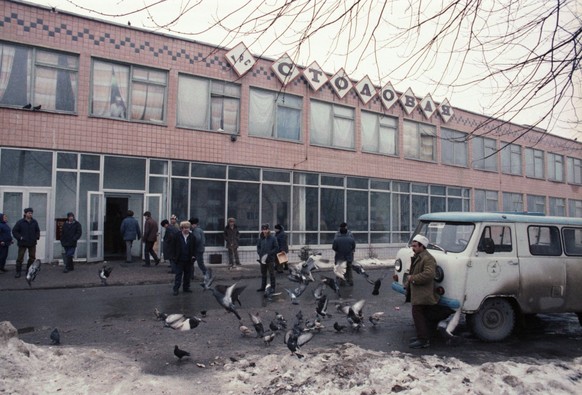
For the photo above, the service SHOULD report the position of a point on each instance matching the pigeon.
(263, 259)
(257, 323)
(377, 283)
(268, 338)
(33, 272)
(296, 293)
(270, 292)
(340, 270)
(189, 323)
(159, 315)
(174, 321)
(104, 274)
(36, 108)
(354, 314)
(376, 317)
(446, 327)
(321, 308)
(295, 341)
(55, 337)
(244, 329)
(311, 262)
(331, 283)
(359, 269)
(316, 325)
(318, 291)
(27, 106)
(338, 327)
(278, 323)
(180, 353)
(208, 279)
(226, 298)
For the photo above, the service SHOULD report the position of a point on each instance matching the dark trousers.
(268, 267)
(233, 256)
(183, 273)
(200, 262)
(3, 256)
(427, 317)
(149, 250)
(20, 258)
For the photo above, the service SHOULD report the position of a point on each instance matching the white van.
(496, 266)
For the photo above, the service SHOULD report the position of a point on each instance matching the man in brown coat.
(150, 235)
(420, 284)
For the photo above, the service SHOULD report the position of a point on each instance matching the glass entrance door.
(13, 201)
(95, 215)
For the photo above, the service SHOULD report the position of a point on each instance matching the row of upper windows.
(487, 201)
(32, 77)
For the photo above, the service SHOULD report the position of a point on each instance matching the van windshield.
(450, 236)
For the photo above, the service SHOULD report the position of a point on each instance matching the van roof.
(458, 216)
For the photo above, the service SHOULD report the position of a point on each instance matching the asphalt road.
(121, 319)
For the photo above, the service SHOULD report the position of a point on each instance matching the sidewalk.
(86, 274)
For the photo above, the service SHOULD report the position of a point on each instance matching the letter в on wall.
(408, 101)
(445, 110)
(428, 106)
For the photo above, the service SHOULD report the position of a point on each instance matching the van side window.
(572, 241)
(544, 240)
(499, 236)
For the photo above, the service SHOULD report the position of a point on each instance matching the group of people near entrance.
(184, 245)
(26, 231)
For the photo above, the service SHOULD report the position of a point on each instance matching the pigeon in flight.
(55, 337)
(104, 274)
(227, 298)
(359, 269)
(340, 270)
(33, 272)
(296, 293)
(331, 283)
(263, 259)
(377, 283)
(354, 314)
(294, 341)
(180, 353)
(258, 324)
(318, 291)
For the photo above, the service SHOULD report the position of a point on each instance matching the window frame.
(448, 138)
(532, 156)
(35, 63)
(423, 132)
(132, 82)
(574, 170)
(508, 158)
(485, 160)
(555, 167)
(379, 128)
(279, 107)
(335, 115)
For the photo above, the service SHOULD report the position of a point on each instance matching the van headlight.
(439, 274)
(398, 265)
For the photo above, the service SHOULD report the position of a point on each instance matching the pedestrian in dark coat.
(281, 236)
(344, 246)
(184, 249)
(5, 241)
(231, 238)
(267, 248)
(168, 243)
(71, 233)
(129, 231)
(150, 236)
(26, 232)
(198, 233)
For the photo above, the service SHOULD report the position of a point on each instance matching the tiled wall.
(89, 38)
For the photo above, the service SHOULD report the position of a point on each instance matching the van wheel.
(494, 321)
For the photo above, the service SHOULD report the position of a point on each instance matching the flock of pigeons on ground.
(302, 330)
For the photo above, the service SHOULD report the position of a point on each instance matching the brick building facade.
(131, 119)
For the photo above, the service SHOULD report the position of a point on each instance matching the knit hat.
(421, 239)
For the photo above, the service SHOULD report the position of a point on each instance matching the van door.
(494, 268)
(543, 270)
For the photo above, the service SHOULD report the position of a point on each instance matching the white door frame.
(95, 220)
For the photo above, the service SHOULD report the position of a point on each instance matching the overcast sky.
(382, 64)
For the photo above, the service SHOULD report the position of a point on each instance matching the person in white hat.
(420, 285)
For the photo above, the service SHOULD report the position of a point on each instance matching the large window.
(486, 200)
(512, 201)
(128, 92)
(575, 208)
(555, 167)
(534, 163)
(419, 141)
(206, 104)
(332, 125)
(453, 147)
(536, 204)
(379, 133)
(484, 154)
(37, 78)
(511, 159)
(275, 114)
(557, 206)
(574, 170)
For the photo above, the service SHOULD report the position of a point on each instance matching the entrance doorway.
(115, 211)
